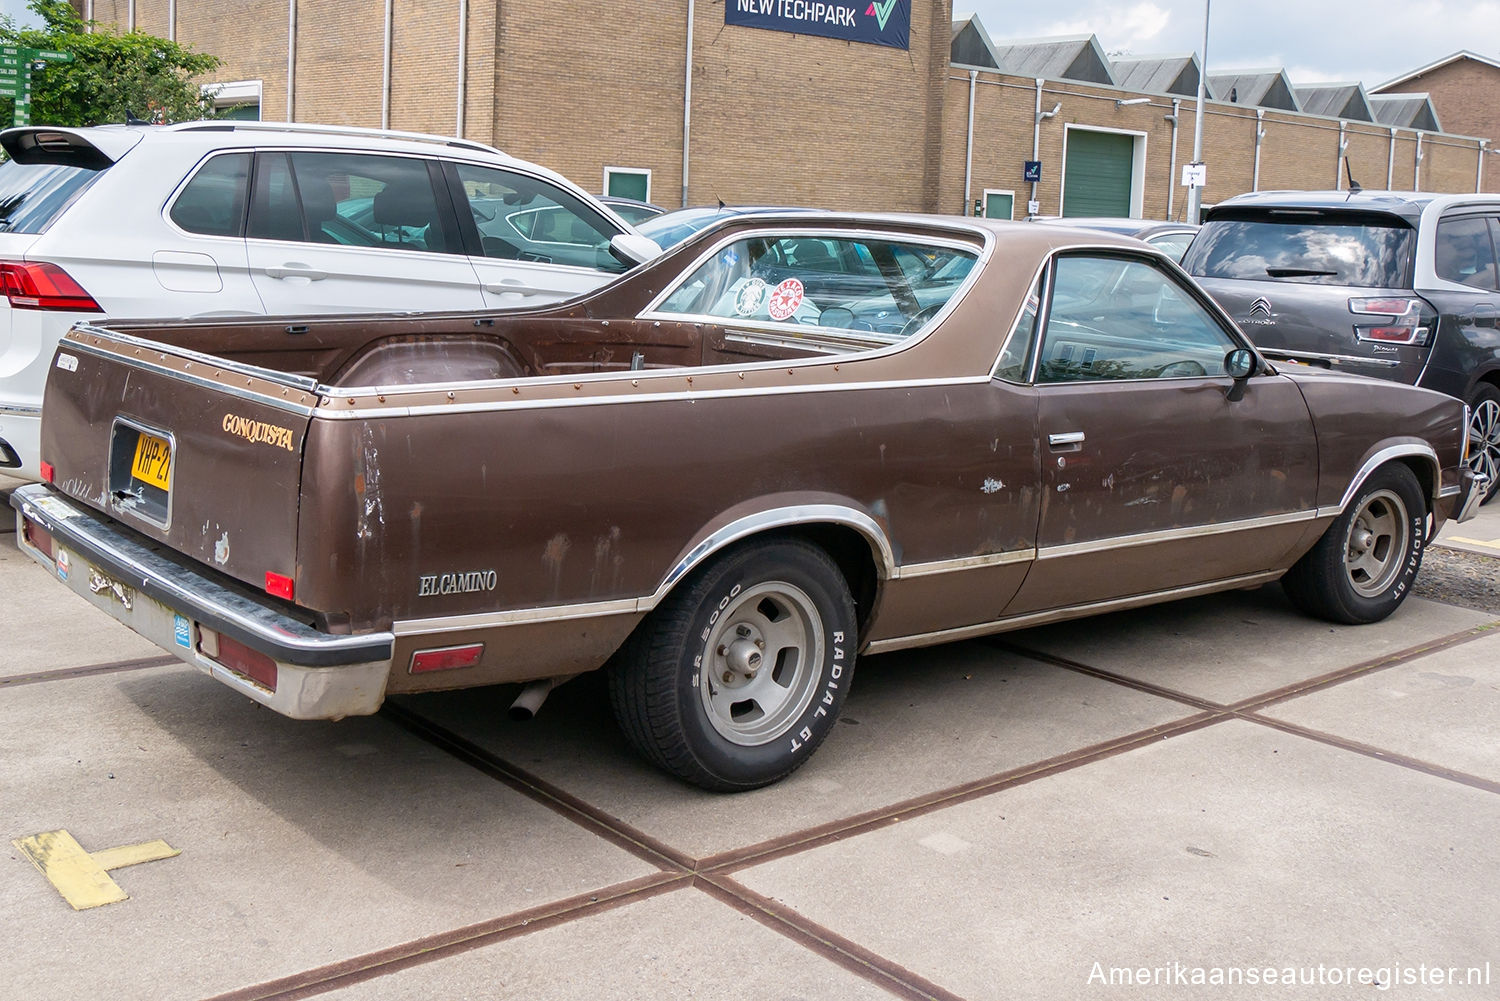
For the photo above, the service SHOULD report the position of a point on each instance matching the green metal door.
(999, 205)
(1097, 174)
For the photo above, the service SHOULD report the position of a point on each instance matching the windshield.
(1318, 249)
(674, 227)
(32, 195)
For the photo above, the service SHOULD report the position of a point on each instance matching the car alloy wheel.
(1484, 438)
(1377, 543)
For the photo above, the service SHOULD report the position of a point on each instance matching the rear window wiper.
(1299, 273)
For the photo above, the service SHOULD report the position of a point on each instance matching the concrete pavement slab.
(1228, 647)
(1443, 709)
(1232, 846)
(914, 723)
(683, 944)
(303, 843)
(1480, 534)
(48, 627)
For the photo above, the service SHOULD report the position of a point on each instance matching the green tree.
(111, 72)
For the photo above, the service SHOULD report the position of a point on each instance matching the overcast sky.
(1314, 40)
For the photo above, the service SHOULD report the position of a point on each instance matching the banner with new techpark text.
(877, 22)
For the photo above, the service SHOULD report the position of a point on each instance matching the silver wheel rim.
(761, 663)
(1376, 547)
(1484, 440)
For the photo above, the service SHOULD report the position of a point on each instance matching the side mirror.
(633, 248)
(1239, 364)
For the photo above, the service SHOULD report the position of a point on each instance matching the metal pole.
(1260, 133)
(385, 70)
(172, 21)
(463, 64)
(1195, 194)
(969, 144)
(1479, 166)
(1036, 136)
(687, 102)
(1416, 176)
(291, 60)
(1338, 162)
(1172, 170)
(129, 16)
(1390, 162)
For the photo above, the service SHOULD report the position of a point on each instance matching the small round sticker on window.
(786, 299)
(747, 301)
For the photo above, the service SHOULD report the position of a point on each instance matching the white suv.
(235, 218)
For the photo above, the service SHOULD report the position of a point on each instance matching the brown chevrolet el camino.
(789, 441)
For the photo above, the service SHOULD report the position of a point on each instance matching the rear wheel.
(735, 679)
(1363, 567)
(1484, 435)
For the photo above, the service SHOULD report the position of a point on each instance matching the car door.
(1153, 478)
(335, 232)
(530, 241)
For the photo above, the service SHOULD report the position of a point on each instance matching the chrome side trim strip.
(19, 410)
(1173, 534)
(964, 563)
(1447, 492)
(1070, 612)
(1332, 358)
(202, 382)
(518, 617)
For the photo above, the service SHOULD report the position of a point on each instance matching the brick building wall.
(1465, 94)
(1297, 151)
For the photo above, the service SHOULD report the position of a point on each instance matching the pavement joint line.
(861, 823)
(843, 952)
(1371, 751)
(611, 828)
(87, 671)
(1106, 675)
(443, 945)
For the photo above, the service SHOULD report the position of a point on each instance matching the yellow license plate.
(153, 460)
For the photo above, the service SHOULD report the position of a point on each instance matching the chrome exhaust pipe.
(529, 702)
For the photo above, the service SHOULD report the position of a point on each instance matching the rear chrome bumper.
(1471, 491)
(176, 605)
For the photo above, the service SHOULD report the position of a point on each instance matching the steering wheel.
(917, 322)
(1181, 369)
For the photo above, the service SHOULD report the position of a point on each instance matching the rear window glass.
(213, 202)
(1323, 250)
(33, 195)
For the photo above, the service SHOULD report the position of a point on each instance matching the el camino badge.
(457, 583)
(100, 584)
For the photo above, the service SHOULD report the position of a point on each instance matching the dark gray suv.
(1398, 285)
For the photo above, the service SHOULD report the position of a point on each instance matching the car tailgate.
(1317, 324)
(189, 450)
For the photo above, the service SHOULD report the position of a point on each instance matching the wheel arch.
(1418, 456)
(852, 538)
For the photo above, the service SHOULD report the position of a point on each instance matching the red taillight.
(47, 472)
(43, 286)
(39, 538)
(1404, 326)
(446, 658)
(242, 660)
(278, 586)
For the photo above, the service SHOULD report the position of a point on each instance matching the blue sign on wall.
(878, 22)
(1033, 171)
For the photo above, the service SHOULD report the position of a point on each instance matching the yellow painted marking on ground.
(1486, 543)
(83, 877)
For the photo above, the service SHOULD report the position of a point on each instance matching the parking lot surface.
(1115, 806)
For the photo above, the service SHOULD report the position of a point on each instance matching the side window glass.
(1462, 252)
(878, 290)
(359, 200)
(274, 213)
(1117, 318)
(213, 202)
(1017, 352)
(524, 218)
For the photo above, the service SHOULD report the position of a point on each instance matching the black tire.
(1484, 435)
(734, 680)
(1363, 567)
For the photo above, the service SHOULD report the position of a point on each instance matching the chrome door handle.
(514, 288)
(297, 271)
(1066, 438)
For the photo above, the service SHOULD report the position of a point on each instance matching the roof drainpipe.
(1338, 163)
(1479, 168)
(129, 16)
(291, 60)
(1172, 170)
(1416, 174)
(687, 102)
(1260, 133)
(1390, 162)
(463, 64)
(172, 21)
(969, 145)
(385, 71)
(1036, 137)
